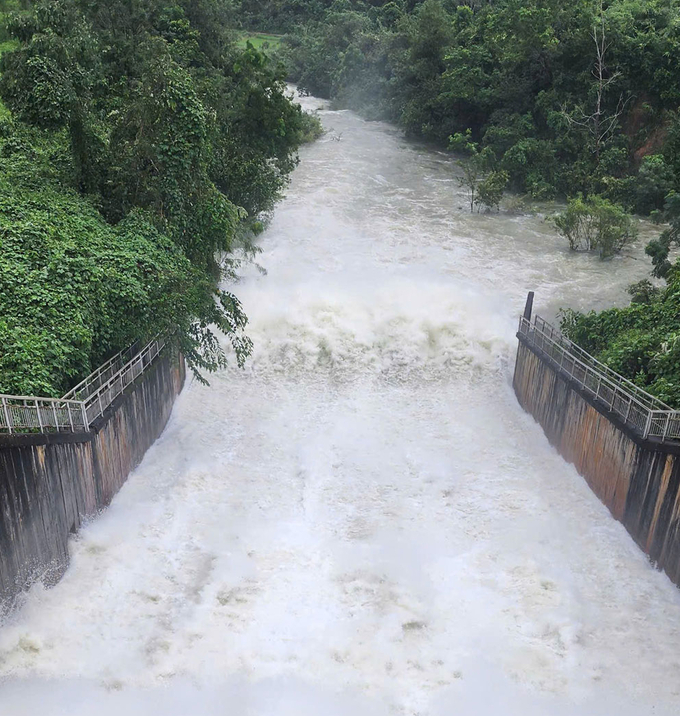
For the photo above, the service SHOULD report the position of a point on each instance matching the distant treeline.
(559, 99)
(571, 96)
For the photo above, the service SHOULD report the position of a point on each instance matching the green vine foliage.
(143, 149)
(642, 341)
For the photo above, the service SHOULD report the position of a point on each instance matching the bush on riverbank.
(642, 341)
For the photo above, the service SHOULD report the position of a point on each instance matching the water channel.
(363, 521)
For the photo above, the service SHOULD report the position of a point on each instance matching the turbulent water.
(363, 522)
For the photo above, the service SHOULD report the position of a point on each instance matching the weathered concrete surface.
(50, 483)
(638, 480)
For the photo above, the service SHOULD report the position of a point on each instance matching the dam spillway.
(364, 521)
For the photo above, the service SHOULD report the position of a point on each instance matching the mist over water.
(363, 522)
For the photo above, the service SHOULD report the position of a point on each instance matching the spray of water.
(363, 521)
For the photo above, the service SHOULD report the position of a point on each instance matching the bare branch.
(599, 123)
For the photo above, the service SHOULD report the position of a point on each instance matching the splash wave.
(397, 329)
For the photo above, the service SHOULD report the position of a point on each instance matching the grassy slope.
(258, 39)
(4, 46)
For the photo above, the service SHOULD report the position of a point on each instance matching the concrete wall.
(50, 483)
(638, 480)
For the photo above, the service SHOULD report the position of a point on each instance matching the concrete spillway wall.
(50, 483)
(638, 479)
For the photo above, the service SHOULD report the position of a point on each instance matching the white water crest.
(363, 522)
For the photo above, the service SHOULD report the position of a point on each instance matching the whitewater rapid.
(363, 521)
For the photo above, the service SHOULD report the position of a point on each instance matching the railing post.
(528, 306)
(6, 411)
(56, 419)
(665, 427)
(86, 424)
(648, 424)
(70, 417)
(40, 422)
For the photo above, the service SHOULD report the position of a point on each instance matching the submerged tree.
(483, 181)
(595, 224)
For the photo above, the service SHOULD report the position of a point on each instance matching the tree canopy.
(140, 149)
(577, 97)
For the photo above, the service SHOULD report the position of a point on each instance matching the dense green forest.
(143, 143)
(568, 97)
(570, 100)
(140, 149)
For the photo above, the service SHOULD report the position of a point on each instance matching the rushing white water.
(363, 521)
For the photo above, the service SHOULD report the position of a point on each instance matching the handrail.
(97, 402)
(84, 388)
(640, 410)
(26, 414)
(20, 414)
(557, 335)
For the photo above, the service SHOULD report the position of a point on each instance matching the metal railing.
(100, 376)
(646, 414)
(21, 414)
(100, 399)
(77, 410)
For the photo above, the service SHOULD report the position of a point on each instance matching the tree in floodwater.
(595, 224)
(484, 182)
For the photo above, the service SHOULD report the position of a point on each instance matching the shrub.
(595, 224)
(490, 189)
(654, 182)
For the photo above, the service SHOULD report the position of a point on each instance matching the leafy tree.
(599, 124)
(74, 289)
(484, 182)
(571, 97)
(643, 292)
(595, 224)
(429, 35)
(659, 249)
(491, 188)
(641, 341)
(654, 182)
(472, 166)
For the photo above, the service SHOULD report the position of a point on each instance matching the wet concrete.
(637, 479)
(50, 484)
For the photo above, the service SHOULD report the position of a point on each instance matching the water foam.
(397, 329)
(363, 521)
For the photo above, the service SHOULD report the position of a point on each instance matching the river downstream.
(363, 522)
